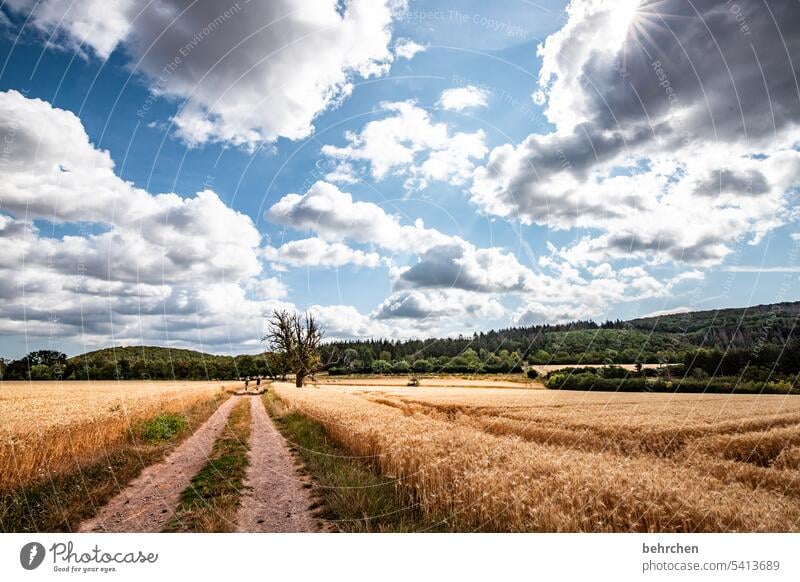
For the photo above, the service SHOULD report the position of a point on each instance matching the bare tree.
(298, 339)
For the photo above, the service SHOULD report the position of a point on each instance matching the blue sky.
(402, 170)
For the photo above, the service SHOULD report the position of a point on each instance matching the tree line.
(141, 363)
(717, 343)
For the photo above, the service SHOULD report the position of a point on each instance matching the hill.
(665, 338)
(135, 362)
(734, 328)
(758, 335)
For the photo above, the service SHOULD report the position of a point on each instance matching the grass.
(546, 461)
(163, 427)
(210, 502)
(62, 502)
(354, 497)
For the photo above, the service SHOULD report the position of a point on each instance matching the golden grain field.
(537, 460)
(51, 428)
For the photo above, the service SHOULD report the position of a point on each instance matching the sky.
(171, 171)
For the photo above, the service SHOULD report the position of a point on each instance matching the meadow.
(522, 460)
(48, 429)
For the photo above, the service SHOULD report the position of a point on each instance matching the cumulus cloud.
(334, 216)
(131, 265)
(460, 265)
(439, 303)
(315, 252)
(249, 72)
(94, 23)
(409, 143)
(449, 268)
(535, 313)
(460, 98)
(674, 131)
(405, 48)
(346, 322)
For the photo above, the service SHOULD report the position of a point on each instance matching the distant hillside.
(665, 338)
(755, 336)
(736, 328)
(161, 363)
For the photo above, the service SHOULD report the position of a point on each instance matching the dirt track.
(277, 499)
(150, 500)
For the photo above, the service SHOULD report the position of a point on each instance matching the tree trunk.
(298, 380)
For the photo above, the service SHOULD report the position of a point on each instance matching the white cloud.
(405, 48)
(409, 143)
(438, 303)
(535, 313)
(249, 72)
(671, 311)
(449, 268)
(460, 98)
(344, 321)
(334, 216)
(647, 152)
(98, 24)
(133, 266)
(315, 252)
(342, 173)
(460, 265)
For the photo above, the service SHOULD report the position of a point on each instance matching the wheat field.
(497, 459)
(51, 428)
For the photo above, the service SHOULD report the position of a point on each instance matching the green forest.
(756, 344)
(139, 363)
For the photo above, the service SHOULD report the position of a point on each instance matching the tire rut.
(276, 498)
(148, 502)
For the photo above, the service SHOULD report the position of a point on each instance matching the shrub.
(422, 366)
(720, 385)
(532, 373)
(614, 372)
(401, 367)
(381, 367)
(163, 427)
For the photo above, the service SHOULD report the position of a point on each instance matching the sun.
(631, 24)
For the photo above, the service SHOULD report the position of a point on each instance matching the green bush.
(163, 427)
(720, 385)
(401, 367)
(532, 373)
(381, 367)
(422, 366)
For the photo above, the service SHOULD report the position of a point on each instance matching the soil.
(277, 498)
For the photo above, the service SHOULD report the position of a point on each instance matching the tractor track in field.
(277, 498)
(148, 502)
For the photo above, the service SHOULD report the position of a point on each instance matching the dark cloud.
(730, 65)
(460, 265)
(730, 181)
(645, 109)
(249, 71)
